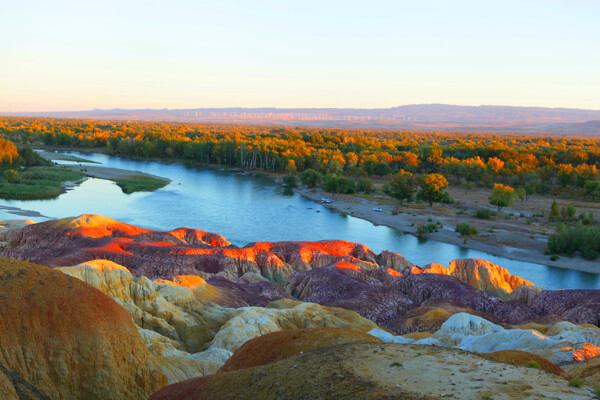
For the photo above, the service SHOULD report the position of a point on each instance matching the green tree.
(339, 184)
(432, 188)
(402, 187)
(290, 181)
(529, 189)
(331, 184)
(571, 211)
(364, 185)
(502, 196)
(554, 211)
(382, 168)
(521, 194)
(311, 178)
(592, 189)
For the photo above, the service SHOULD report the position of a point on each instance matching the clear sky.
(80, 55)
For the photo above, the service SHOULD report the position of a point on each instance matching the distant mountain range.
(418, 116)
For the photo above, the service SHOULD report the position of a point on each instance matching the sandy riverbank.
(96, 171)
(523, 246)
(111, 173)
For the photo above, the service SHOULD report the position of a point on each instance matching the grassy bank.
(36, 183)
(139, 183)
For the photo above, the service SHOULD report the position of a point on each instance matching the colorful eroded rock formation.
(61, 338)
(270, 317)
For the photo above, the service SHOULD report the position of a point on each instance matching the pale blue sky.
(79, 55)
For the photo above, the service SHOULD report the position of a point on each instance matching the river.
(248, 209)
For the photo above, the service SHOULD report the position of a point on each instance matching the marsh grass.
(37, 183)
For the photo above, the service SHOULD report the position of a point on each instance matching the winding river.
(247, 209)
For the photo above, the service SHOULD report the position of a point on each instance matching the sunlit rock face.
(184, 251)
(411, 303)
(482, 275)
(61, 338)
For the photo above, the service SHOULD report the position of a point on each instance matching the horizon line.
(296, 108)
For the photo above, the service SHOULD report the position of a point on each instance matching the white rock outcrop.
(564, 342)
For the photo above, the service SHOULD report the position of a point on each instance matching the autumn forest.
(560, 166)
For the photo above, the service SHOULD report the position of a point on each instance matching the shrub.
(577, 238)
(533, 364)
(484, 214)
(486, 396)
(587, 219)
(576, 383)
(465, 229)
(12, 176)
(339, 184)
(423, 229)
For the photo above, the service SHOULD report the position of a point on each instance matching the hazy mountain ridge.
(415, 116)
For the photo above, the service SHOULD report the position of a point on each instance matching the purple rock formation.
(577, 306)
(353, 290)
(423, 287)
(244, 295)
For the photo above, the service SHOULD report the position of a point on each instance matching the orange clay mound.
(347, 265)
(418, 335)
(190, 281)
(283, 344)
(518, 357)
(60, 338)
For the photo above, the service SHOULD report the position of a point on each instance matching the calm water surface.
(246, 209)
